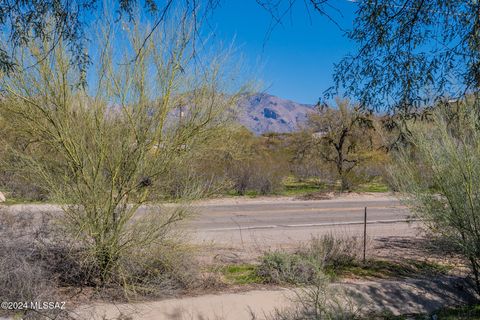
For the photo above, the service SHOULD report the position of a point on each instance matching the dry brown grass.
(39, 262)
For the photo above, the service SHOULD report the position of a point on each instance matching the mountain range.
(264, 113)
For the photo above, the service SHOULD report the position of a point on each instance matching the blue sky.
(296, 61)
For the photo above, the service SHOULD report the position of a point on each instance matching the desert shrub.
(235, 160)
(167, 269)
(256, 165)
(282, 267)
(39, 261)
(304, 265)
(111, 144)
(203, 173)
(32, 263)
(332, 252)
(438, 173)
(260, 174)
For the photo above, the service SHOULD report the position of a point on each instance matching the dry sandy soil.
(399, 297)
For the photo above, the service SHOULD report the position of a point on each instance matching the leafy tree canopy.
(410, 52)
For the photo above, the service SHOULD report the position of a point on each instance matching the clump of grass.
(242, 274)
(373, 186)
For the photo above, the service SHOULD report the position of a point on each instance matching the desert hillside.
(263, 113)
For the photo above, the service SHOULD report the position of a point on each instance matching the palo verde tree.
(98, 151)
(439, 174)
(342, 137)
(22, 21)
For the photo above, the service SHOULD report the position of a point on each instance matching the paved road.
(278, 222)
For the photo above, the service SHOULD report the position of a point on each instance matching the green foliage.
(343, 140)
(242, 274)
(397, 66)
(439, 175)
(62, 22)
(100, 154)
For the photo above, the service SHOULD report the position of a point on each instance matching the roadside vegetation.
(438, 174)
(314, 307)
(231, 161)
(333, 257)
(101, 153)
(151, 119)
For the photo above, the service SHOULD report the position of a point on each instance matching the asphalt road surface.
(280, 222)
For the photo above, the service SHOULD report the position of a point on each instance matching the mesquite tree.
(342, 136)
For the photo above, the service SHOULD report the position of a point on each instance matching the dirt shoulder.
(408, 296)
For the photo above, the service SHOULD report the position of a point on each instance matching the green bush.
(438, 174)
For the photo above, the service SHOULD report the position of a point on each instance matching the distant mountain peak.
(263, 113)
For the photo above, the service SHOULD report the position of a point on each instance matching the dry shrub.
(166, 269)
(321, 254)
(29, 263)
(261, 174)
(281, 267)
(332, 252)
(40, 262)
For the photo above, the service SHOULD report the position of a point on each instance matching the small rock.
(2, 197)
